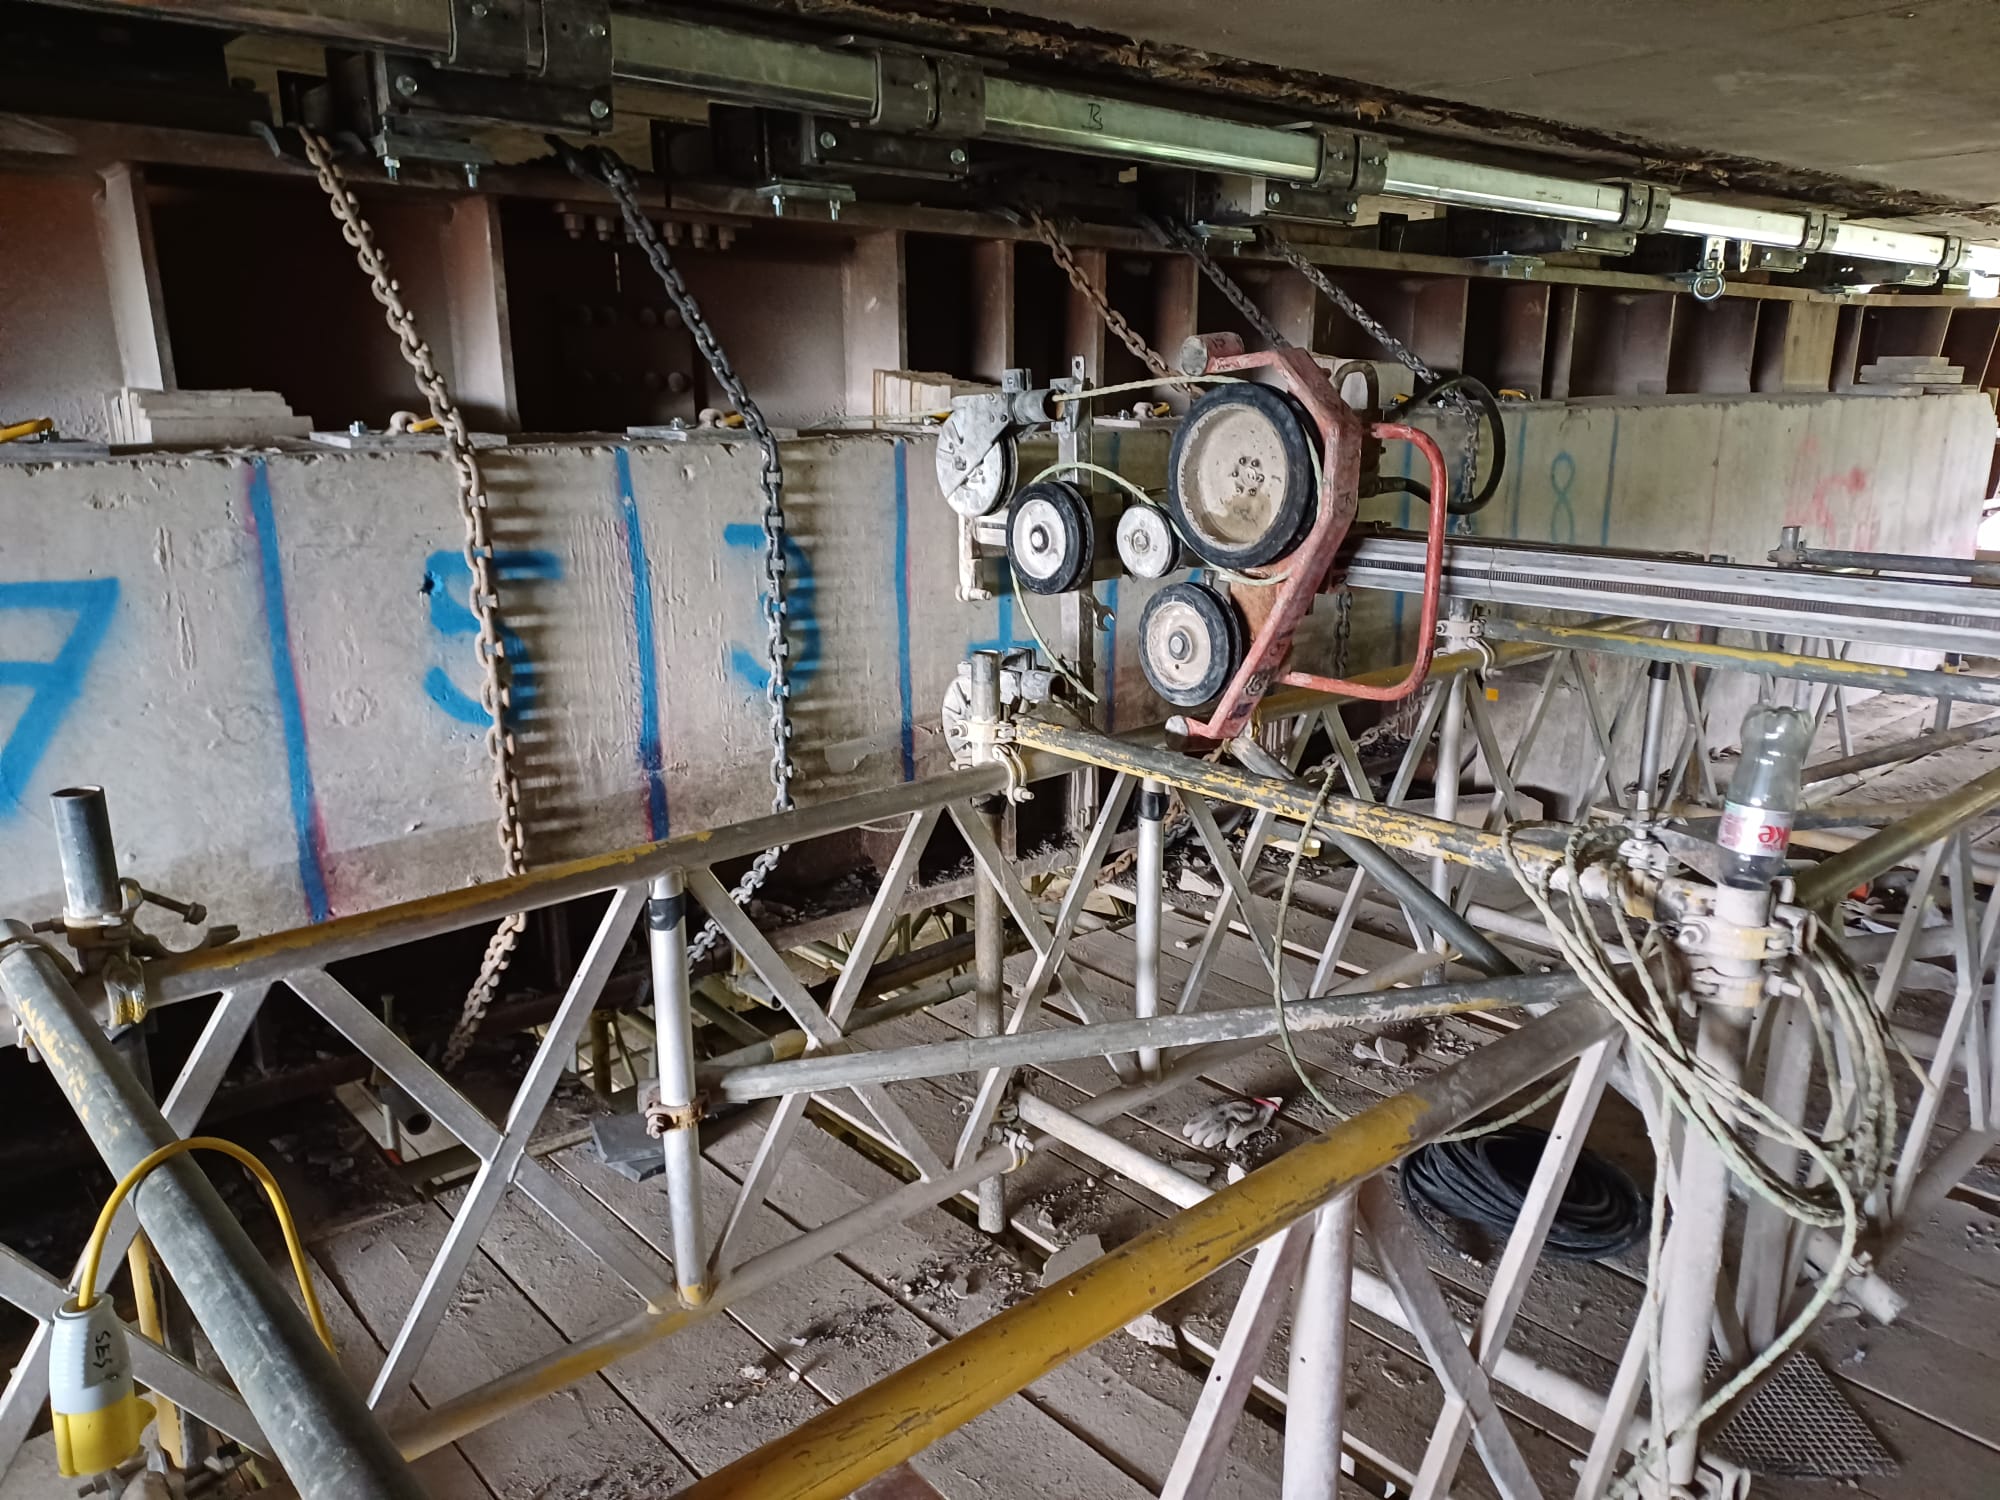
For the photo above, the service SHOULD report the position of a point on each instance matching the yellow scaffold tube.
(874, 1430)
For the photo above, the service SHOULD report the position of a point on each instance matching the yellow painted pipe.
(871, 1432)
(146, 1301)
(1829, 880)
(1391, 827)
(15, 431)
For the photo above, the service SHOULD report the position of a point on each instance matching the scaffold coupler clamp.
(1462, 629)
(979, 707)
(1007, 1130)
(1735, 939)
(662, 1118)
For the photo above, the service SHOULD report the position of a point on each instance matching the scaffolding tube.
(869, 1433)
(318, 1426)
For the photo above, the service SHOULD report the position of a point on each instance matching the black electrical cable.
(1484, 1180)
(1489, 408)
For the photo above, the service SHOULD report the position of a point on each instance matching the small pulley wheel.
(976, 469)
(1191, 641)
(1240, 478)
(1147, 545)
(1050, 537)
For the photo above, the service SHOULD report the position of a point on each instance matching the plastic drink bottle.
(1764, 792)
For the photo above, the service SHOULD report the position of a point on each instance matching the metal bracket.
(1954, 252)
(564, 42)
(924, 95)
(1352, 162)
(905, 92)
(576, 45)
(831, 194)
(961, 99)
(1645, 208)
(496, 36)
(840, 146)
(1821, 225)
(1600, 239)
(1235, 200)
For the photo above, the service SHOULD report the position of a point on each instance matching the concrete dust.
(1069, 1209)
(862, 1327)
(984, 1271)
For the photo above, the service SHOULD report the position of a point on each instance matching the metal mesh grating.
(1796, 1424)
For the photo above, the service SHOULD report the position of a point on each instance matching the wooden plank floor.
(1106, 1425)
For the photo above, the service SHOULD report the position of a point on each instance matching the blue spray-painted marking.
(652, 755)
(308, 827)
(1520, 453)
(448, 583)
(1562, 516)
(52, 685)
(1005, 639)
(907, 725)
(1610, 477)
(801, 615)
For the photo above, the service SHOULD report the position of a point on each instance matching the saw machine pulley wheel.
(1191, 641)
(1241, 482)
(978, 463)
(1051, 538)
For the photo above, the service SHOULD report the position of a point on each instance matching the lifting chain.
(475, 511)
(607, 165)
(1455, 402)
(1189, 244)
(1114, 320)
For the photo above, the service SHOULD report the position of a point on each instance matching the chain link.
(1455, 402)
(777, 689)
(1112, 319)
(1189, 243)
(475, 511)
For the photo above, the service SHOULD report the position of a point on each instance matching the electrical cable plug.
(98, 1416)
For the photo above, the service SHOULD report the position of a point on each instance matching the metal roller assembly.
(1241, 479)
(1148, 546)
(1191, 641)
(1051, 537)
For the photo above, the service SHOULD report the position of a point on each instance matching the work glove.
(1230, 1123)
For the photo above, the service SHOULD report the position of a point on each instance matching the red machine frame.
(1307, 568)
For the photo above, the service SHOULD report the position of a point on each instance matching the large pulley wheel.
(1050, 538)
(1240, 477)
(1191, 641)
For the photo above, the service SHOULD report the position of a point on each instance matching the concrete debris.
(1074, 1256)
(624, 1146)
(940, 1284)
(1065, 1209)
(1387, 1051)
(1153, 1331)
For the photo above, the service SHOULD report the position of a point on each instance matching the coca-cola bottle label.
(1759, 832)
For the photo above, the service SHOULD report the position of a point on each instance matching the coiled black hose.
(1485, 1179)
(1489, 408)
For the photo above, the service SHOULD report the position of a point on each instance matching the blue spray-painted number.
(447, 581)
(1562, 515)
(52, 685)
(801, 613)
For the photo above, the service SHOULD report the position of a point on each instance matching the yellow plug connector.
(98, 1415)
